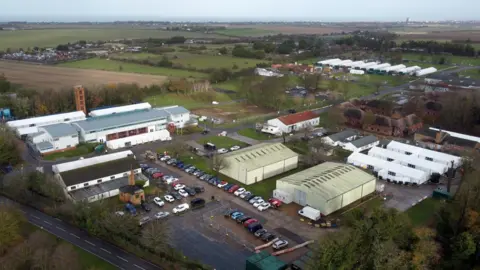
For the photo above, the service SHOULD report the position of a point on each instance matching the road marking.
(35, 217)
(47, 222)
(139, 267)
(74, 235)
(90, 243)
(61, 229)
(106, 250)
(23, 211)
(58, 219)
(123, 259)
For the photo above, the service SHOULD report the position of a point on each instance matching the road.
(81, 239)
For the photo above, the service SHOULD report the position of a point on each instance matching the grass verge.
(221, 142)
(424, 212)
(256, 135)
(81, 150)
(186, 101)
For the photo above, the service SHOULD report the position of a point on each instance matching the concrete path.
(241, 138)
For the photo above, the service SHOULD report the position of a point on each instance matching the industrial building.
(30, 125)
(294, 122)
(393, 69)
(258, 162)
(327, 187)
(125, 129)
(53, 138)
(96, 178)
(438, 157)
(361, 144)
(328, 61)
(409, 70)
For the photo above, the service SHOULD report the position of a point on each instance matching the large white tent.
(426, 154)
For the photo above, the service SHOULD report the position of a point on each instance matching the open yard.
(112, 65)
(231, 111)
(186, 101)
(204, 61)
(472, 73)
(221, 141)
(53, 37)
(48, 77)
(256, 135)
(247, 32)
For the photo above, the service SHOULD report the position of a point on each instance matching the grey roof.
(85, 193)
(60, 130)
(364, 141)
(33, 135)
(121, 119)
(177, 110)
(44, 146)
(342, 135)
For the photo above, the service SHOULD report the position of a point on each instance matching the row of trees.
(9, 150)
(435, 47)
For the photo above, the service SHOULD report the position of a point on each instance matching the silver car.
(144, 221)
(280, 244)
(161, 215)
(255, 199)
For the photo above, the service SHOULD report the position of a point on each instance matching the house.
(53, 138)
(354, 117)
(132, 193)
(383, 125)
(446, 140)
(361, 144)
(328, 187)
(30, 125)
(342, 137)
(178, 116)
(295, 122)
(259, 162)
(97, 178)
(376, 106)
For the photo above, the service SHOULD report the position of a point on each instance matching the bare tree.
(156, 235)
(368, 118)
(217, 163)
(41, 259)
(177, 148)
(306, 129)
(10, 221)
(65, 257)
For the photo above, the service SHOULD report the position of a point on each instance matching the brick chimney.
(131, 178)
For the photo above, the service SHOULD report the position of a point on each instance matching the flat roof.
(175, 110)
(340, 136)
(42, 146)
(97, 171)
(365, 141)
(84, 193)
(120, 109)
(259, 155)
(47, 118)
(120, 120)
(329, 180)
(60, 130)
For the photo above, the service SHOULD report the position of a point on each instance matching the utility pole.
(450, 175)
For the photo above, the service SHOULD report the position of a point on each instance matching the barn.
(328, 187)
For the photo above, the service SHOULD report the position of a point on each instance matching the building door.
(300, 197)
(128, 144)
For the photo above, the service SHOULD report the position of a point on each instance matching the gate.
(300, 197)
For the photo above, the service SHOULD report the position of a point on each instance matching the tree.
(65, 257)
(10, 221)
(177, 149)
(9, 151)
(156, 236)
(368, 118)
(220, 75)
(217, 163)
(41, 259)
(223, 51)
(5, 85)
(120, 68)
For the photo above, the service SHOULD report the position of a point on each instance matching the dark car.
(229, 212)
(198, 173)
(204, 177)
(267, 237)
(292, 111)
(243, 219)
(227, 187)
(213, 181)
(249, 197)
(199, 189)
(171, 162)
(205, 131)
(146, 207)
(260, 232)
(176, 195)
(197, 203)
(190, 191)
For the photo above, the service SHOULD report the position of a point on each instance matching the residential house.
(361, 144)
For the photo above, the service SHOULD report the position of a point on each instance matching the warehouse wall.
(291, 163)
(332, 205)
(273, 169)
(254, 176)
(352, 196)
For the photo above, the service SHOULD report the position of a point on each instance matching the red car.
(248, 222)
(157, 175)
(233, 189)
(275, 202)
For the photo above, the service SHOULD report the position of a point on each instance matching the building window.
(73, 187)
(112, 177)
(392, 173)
(68, 146)
(429, 158)
(370, 167)
(31, 125)
(408, 153)
(99, 181)
(85, 185)
(151, 130)
(66, 119)
(411, 166)
(142, 130)
(389, 159)
(122, 134)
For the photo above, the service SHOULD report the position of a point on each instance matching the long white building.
(120, 109)
(355, 64)
(328, 61)
(366, 65)
(426, 154)
(30, 125)
(409, 70)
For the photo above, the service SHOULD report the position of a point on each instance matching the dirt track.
(49, 77)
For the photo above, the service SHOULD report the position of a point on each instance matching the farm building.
(361, 144)
(342, 137)
(389, 171)
(30, 125)
(120, 109)
(53, 138)
(256, 163)
(125, 129)
(408, 160)
(178, 116)
(423, 153)
(328, 187)
(295, 122)
(96, 178)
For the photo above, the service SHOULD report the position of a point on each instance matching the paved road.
(83, 240)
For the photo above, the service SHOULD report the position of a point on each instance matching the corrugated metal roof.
(46, 119)
(329, 180)
(41, 146)
(259, 155)
(120, 120)
(364, 141)
(120, 109)
(60, 130)
(85, 193)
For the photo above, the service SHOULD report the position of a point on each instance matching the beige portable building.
(328, 187)
(258, 162)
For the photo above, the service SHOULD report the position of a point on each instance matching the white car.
(222, 184)
(245, 194)
(165, 158)
(223, 133)
(234, 148)
(158, 201)
(264, 206)
(258, 203)
(169, 198)
(181, 208)
(222, 151)
(183, 193)
(279, 244)
(161, 215)
(178, 187)
(239, 191)
(120, 213)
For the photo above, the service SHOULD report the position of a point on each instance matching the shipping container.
(264, 261)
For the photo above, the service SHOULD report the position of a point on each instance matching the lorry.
(310, 213)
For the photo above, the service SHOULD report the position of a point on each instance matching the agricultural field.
(112, 65)
(247, 32)
(458, 60)
(53, 37)
(201, 61)
(296, 29)
(49, 77)
(136, 56)
(232, 85)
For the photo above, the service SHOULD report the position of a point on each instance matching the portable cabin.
(425, 71)
(426, 154)
(365, 66)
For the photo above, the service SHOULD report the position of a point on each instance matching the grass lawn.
(473, 73)
(184, 100)
(53, 37)
(221, 141)
(118, 66)
(252, 133)
(460, 60)
(204, 61)
(233, 85)
(137, 56)
(424, 212)
(82, 149)
(375, 78)
(246, 32)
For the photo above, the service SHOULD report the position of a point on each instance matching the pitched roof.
(292, 119)
(60, 130)
(176, 110)
(365, 141)
(347, 133)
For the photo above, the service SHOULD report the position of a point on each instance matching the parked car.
(222, 184)
(245, 194)
(243, 219)
(190, 191)
(204, 177)
(275, 203)
(258, 203)
(183, 193)
(169, 179)
(169, 198)
(158, 201)
(227, 187)
(161, 215)
(249, 197)
(181, 208)
(222, 151)
(171, 161)
(248, 222)
(147, 207)
(199, 189)
(205, 132)
(144, 166)
(233, 188)
(197, 203)
(157, 175)
(267, 237)
(254, 199)
(191, 169)
(234, 148)
(264, 206)
(280, 244)
(165, 158)
(260, 232)
(144, 220)
(254, 227)
(198, 173)
(239, 191)
(236, 215)
(229, 212)
(178, 186)
(176, 195)
(179, 165)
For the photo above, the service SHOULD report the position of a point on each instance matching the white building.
(361, 144)
(295, 122)
(267, 73)
(125, 129)
(338, 139)
(389, 171)
(54, 138)
(178, 116)
(30, 125)
(426, 154)
(328, 61)
(120, 109)
(97, 178)
(458, 135)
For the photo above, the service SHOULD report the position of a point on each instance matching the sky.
(237, 10)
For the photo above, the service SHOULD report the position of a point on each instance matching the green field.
(472, 73)
(221, 142)
(228, 85)
(424, 213)
(112, 65)
(246, 32)
(204, 61)
(137, 56)
(184, 100)
(252, 133)
(53, 37)
(387, 79)
(459, 60)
